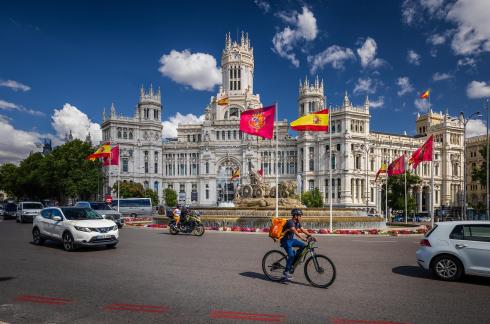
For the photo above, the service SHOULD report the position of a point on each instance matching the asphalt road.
(155, 277)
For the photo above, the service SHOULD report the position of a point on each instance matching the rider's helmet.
(296, 212)
(179, 206)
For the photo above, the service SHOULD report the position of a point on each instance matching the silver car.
(452, 249)
(103, 210)
(27, 211)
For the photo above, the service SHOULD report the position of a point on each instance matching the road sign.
(108, 199)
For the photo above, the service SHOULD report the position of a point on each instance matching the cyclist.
(288, 242)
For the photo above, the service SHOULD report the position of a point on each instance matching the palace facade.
(198, 164)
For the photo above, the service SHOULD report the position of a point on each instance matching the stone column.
(419, 200)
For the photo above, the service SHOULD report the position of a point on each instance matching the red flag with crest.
(423, 153)
(397, 166)
(258, 122)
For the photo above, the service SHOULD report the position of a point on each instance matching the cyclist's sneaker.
(286, 276)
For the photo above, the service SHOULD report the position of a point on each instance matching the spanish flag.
(103, 151)
(425, 95)
(383, 169)
(223, 101)
(315, 122)
(235, 174)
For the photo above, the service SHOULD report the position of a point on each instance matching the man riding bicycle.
(288, 242)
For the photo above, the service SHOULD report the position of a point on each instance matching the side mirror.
(57, 218)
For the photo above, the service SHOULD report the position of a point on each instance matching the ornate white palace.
(199, 163)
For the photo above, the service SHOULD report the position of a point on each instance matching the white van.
(133, 207)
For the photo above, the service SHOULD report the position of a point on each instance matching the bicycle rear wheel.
(322, 274)
(273, 265)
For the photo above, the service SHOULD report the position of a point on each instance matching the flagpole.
(386, 199)
(330, 170)
(119, 176)
(277, 163)
(406, 209)
(432, 188)
(110, 162)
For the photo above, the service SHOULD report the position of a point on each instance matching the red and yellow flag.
(236, 174)
(114, 157)
(223, 101)
(425, 95)
(103, 151)
(383, 169)
(423, 153)
(315, 122)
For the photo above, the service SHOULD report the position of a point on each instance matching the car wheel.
(68, 242)
(447, 267)
(36, 237)
(111, 246)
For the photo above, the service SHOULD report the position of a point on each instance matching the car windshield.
(32, 206)
(10, 207)
(80, 213)
(100, 206)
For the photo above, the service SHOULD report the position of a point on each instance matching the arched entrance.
(225, 185)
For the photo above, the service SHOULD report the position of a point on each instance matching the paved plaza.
(153, 277)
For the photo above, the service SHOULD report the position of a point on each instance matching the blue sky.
(78, 57)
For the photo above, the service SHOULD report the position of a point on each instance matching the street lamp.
(465, 122)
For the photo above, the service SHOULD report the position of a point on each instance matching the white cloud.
(70, 118)
(304, 28)
(478, 89)
(413, 57)
(409, 11)
(5, 105)
(264, 5)
(475, 127)
(367, 54)
(334, 55)
(170, 126)
(15, 144)
(441, 76)
(198, 70)
(377, 103)
(413, 10)
(467, 61)
(473, 31)
(405, 86)
(365, 86)
(14, 85)
(422, 105)
(437, 39)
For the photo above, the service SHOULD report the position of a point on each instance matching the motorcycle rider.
(176, 213)
(185, 211)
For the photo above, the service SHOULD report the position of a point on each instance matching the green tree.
(396, 195)
(312, 198)
(130, 190)
(66, 174)
(170, 197)
(8, 179)
(149, 193)
(480, 173)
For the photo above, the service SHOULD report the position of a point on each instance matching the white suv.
(452, 249)
(74, 227)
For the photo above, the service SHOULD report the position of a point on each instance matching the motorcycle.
(192, 225)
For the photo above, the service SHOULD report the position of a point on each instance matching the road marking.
(136, 308)
(350, 321)
(247, 316)
(372, 241)
(43, 300)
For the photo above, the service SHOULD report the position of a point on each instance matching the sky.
(62, 62)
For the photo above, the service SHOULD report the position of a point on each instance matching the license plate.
(106, 236)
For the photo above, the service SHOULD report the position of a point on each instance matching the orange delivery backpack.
(275, 232)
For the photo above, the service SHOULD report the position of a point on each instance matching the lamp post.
(465, 122)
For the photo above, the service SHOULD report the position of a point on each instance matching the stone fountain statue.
(259, 193)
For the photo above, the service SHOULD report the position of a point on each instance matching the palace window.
(182, 187)
(130, 134)
(207, 167)
(311, 185)
(338, 187)
(207, 191)
(146, 185)
(118, 133)
(357, 162)
(334, 162)
(155, 186)
(125, 165)
(217, 135)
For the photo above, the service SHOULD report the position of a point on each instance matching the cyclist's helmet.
(179, 206)
(296, 212)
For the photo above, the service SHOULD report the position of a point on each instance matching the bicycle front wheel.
(273, 265)
(320, 271)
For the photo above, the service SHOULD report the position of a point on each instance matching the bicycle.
(319, 269)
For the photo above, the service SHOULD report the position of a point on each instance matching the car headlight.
(83, 229)
(114, 228)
